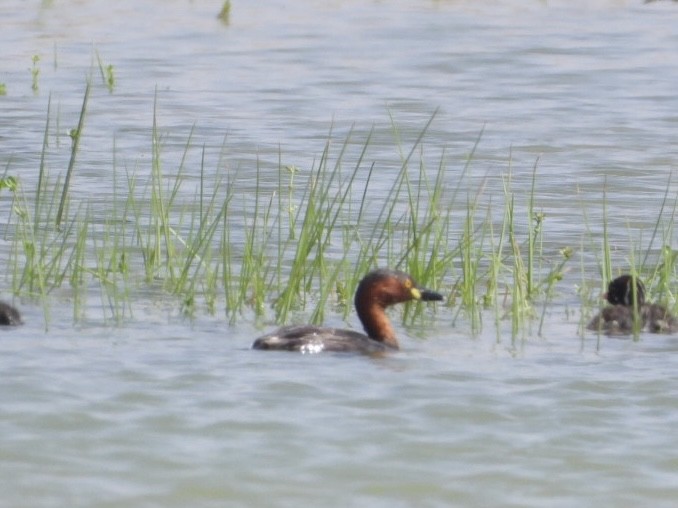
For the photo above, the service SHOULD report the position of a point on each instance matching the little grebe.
(9, 316)
(620, 317)
(378, 290)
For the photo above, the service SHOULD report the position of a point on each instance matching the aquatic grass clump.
(294, 241)
(664, 269)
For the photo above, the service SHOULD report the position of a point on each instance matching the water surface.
(164, 411)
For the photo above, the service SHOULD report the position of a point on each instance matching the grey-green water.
(163, 411)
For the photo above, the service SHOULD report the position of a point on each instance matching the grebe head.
(378, 290)
(621, 291)
(386, 287)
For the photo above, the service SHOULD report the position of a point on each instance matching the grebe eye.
(407, 283)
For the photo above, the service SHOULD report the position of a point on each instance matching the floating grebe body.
(313, 339)
(376, 291)
(658, 319)
(9, 316)
(621, 317)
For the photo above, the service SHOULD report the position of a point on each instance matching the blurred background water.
(164, 412)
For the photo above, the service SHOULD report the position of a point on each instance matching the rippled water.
(165, 412)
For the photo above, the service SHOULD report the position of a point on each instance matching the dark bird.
(377, 290)
(9, 316)
(628, 311)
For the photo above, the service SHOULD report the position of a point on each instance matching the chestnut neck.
(376, 323)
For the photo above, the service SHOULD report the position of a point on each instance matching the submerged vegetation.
(274, 242)
(225, 12)
(35, 73)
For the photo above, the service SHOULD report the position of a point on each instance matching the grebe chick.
(9, 316)
(620, 318)
(376, 291)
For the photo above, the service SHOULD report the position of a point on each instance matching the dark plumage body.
(629, 312)
(376, 291)
(314, 339)
(9, 316)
